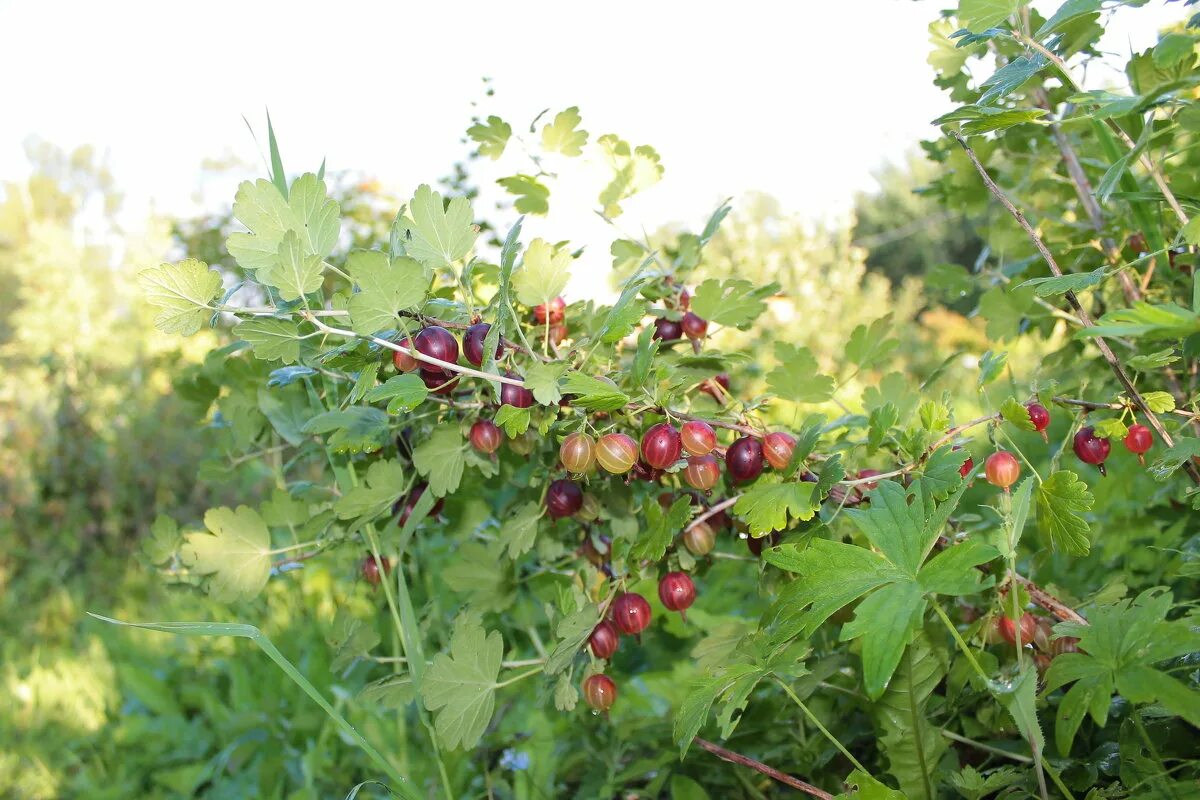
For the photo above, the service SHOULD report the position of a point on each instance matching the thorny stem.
(758, 766)
(1079, 310)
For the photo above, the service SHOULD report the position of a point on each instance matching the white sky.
(802, 99)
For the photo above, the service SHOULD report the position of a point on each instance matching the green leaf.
(513, 420)
(796, 377)
(1010, 77)
(519, 530)
(1068, 11)
(185, 292)
(661, 528)
(542, 379)
(235, 554)
(383, 483)
(1172, 49)
(440, 460)
(1075, 282)
(435, 234)
(593, 394)
(934, 416)
(941, 475)
(879, 423)
(695, 708)
(869, 347)
(990, 366)
(912, 744)
(533, 196)
(565, 693)
(950, 571)
(733, 301)
(1154, 361)
(492, 137)
(1061, 499)
(544, 273)
(1112, 428)
(163, 541)
(1003, 120)
(832, 471)
(483, 574)
(1146, 321)
(294, 272)
(403, 393)
(1159, 402)
(272, 339)
(765, 506)
(460, 687)
(886, 621)
(979, 15)
(634, 169)
(563, 135)
(1185, 449)
(572, 631)
(1016, 414)
(1020, 698)
(306, 213)
(355, 429)
(351, 639)
(386, 286)
(1021, 499)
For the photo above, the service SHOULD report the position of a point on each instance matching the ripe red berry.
(1002, 469)
(595, 555)
(600, 692)
(436, 342)
(757, 543)
(473, 343)
(370, 569)
(702, 472)
(677, 592)
(485, 436)
(661, 445)
(1063, 644)
(439, 382)
(515, 396)
(563, 499)
(631, 613)
(577, 453)
(558, 333)
(555, 310)
(967, 466)
(604, 640)
(744, 459)
(778, 448)
(685, 299)
(699, 539)
(717, 387)
(693, 326)
(616, 453)
(1008, 629)
(403, 361)
(667, 330)
(1138, 441)
(1040, 418)
(697, 438)
(1091, 449)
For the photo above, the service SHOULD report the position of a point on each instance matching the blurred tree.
(905, 232)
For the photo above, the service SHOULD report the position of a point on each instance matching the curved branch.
(758, 766)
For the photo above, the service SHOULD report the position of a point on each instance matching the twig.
(1049, 602)
(712, 512)
(1094, 406)
(462, 326)
(1079, 310)
(770, 772)
(987, 748)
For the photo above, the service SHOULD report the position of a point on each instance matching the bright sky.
(803, 100)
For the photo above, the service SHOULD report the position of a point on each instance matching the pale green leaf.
(185, 292)
(440, 459)
(271, 339)
(733, 301)
(235, 555)
(797, 376)
(563, 135)
(403, 393)
(766, 505)
(460, 687)
(491, 136)
(543, 275)
(435, 234)
(1062, 498)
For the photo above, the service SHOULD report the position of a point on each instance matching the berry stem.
(521, 677)
(1028, 463)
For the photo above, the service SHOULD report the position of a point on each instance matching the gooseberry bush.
(530, 500)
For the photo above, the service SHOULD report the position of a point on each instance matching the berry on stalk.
(1091, 449)
(370, 569)
(1138, 441)
(677, 592)
(717, 387)
(473, 341)
(693, 325)
(577, 452)
(604, 640)
(697, 438)
(515, 396)
(563, 499)
(1040, 418)
(661, 445)
(702, 472)
(778, 448)
(616, 453)
(667, 330)
(436, 342)
(485, 436)
(439, 382)
(403, 361)
(699, 539)
(555, 311)
(1002, 469)
(744, 459)
(600, 692)
(631, 613)
(870, 485)
(1008, 628)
